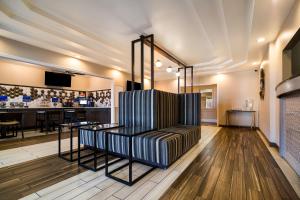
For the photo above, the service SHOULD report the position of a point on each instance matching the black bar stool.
(40, 119)
(81, 115)
(53, 119)
(69, 116)
(10, 123)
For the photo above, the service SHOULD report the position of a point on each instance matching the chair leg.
(16, 129)
(36, 124)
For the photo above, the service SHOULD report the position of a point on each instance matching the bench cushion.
(156, 148)
(191, 135)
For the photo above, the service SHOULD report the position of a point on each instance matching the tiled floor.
(28, 134)
(26, 153)
(95, 185)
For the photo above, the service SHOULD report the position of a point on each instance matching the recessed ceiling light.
(177, 74)
(261, 39)
(169, 69)
(158, 63)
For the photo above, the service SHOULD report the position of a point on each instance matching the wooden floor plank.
(235, 165)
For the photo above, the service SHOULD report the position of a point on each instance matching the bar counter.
(98, 114)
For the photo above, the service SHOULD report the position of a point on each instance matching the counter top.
(288, 86)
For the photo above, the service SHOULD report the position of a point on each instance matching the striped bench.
(156, 148)
(191, 135)
(160, 111)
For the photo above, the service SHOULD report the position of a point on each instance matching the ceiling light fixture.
(169, 69)
(158, 63)
(260, 40)
(177, 74)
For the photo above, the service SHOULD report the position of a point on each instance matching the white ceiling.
(212, 35)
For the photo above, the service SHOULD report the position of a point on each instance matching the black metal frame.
(94, 154)
(192, 78)
(143, 40)
(64, 155)
(130, 158)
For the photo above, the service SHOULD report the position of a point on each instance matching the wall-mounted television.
(291, 57)
(58, 79)
(136, 86)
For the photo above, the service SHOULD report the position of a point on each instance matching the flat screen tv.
(136, 86)
(57, 79)
(291, 57)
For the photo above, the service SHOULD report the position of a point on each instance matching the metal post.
(142, 62)
(95, 151)
(132, 65)
(184, 79)
(152, 61)
(59, 141)
(106, 153)
(78, 157)
(192, 79)
(178, 81)
(71, 145)
(130, 161)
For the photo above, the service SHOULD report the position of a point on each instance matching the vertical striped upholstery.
(137, 108)
(155, 148)
(190, 134)
(190, 109)
(167, 109)
(159, 110)
(148, 108)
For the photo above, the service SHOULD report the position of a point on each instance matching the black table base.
(130, 181)
(94, 158)
(130, 158)
(68, 156)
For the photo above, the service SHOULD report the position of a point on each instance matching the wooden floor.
(234, 165)
(9, 144)
(23, 179)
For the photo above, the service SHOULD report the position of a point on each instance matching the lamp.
(158, 63)
(169, 69)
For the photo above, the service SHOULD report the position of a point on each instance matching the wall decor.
(262, 83)
(15, 94)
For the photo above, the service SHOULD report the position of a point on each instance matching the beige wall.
(270, 108)
(21, 51)
(232, 88)
(17, 73)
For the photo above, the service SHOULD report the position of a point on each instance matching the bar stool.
(40, 119)
(9, 127)
(81, 115)
(10, 123)
(69, 116)
(53, 119)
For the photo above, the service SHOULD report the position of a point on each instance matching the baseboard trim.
(209, 120)
(271, 144)
(235, 126)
